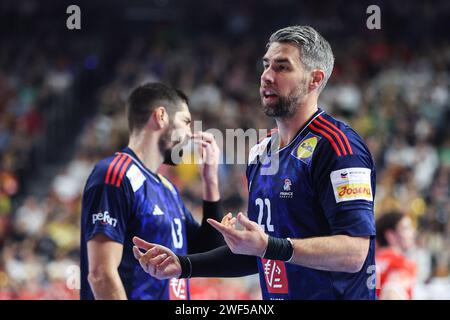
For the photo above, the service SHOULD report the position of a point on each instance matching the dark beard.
(287, 106)
(168, 156)
(163, 145)
(172, 156)
(284, 108)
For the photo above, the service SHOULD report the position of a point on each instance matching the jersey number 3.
(177, 234)
(264, 204)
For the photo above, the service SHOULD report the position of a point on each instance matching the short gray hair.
(315, 51)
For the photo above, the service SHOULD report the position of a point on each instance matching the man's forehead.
(282, 50)
(183, 111)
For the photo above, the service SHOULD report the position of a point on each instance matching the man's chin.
(269, 110)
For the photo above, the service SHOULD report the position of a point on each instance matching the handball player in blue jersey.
(125, 197)
(310, 231)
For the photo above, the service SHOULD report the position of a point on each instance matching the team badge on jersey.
(275, 275)
(306, 147)
(351, 184)
(287, 192)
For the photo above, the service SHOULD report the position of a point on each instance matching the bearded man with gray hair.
(310, 230)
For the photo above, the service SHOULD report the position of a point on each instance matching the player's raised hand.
(158, 261)
(209, 156)
(250, 241)
(209, 164)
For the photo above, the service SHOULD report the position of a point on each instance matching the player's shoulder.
(337, 137)
(111, 170)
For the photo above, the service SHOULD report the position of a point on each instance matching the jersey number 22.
(264, 204)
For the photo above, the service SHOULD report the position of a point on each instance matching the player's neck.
(145, 146)
(289, 127)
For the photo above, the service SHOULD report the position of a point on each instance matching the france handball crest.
(287, 193)
(287, 184)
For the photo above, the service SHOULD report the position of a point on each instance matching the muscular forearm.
(338, 253)
(107, 285)
(210, 190)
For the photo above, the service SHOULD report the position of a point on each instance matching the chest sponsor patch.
(352, 184)
(306, 147)
(136, 177)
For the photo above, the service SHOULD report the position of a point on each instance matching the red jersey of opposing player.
(396, 272)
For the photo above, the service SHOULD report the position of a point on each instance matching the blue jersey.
(320, 184)
(123, 199)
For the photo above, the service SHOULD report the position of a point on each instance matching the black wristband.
(186, 267)
(279, 249)
(212, 209)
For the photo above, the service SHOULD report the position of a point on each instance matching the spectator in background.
(30, 218)
(395, 237)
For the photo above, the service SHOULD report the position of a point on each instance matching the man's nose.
(267, 76)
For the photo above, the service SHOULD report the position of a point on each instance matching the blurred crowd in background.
(390, 85)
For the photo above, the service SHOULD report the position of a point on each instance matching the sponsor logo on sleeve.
(136, 177)
(104, 218)
(352, 184)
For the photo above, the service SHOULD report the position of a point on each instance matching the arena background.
(61, 109)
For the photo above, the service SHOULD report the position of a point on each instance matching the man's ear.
(160, 117)
(317, 77)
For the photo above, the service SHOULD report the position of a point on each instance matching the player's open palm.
(158, 261)
(250, 241)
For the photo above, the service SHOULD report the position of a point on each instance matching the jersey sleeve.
(107, 209)
(345, 185)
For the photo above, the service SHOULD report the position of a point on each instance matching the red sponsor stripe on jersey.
(339, 131)
(110, 167)
(116, 168)
(338, 139)
(326, 135)
(122, 172)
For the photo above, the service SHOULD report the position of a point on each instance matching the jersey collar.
(302, 129)
(133, 155)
